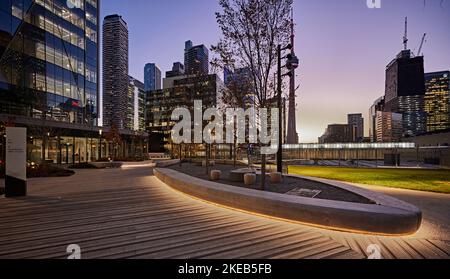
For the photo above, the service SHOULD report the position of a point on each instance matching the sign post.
(16, 162)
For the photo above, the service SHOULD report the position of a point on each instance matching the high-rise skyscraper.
(152, 77)
(377, 106)
(49, 76)
(357, 121)
(389, 126)
(177, 70)
(241, 82)
(115, 72)
(182, 92)
(49, 60)
(196, 59)
(437, 101)
(405, 92)
(136, 105)
(338, 133)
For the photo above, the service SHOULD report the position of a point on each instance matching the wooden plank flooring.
(130, 214)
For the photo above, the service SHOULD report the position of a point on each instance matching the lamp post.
(67, 153)
(59, 146)
(280, 124)
(100, 132)
(291, 64)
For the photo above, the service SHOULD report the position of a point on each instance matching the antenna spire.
(405, 37)
(292, 28)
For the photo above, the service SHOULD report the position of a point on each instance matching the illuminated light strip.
(398, 145)
(137, 166)
(336, 229)
(435, 147)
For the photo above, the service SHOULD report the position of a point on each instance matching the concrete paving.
(131, 214)
(435, 208)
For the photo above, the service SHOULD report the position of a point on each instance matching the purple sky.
(343, 46)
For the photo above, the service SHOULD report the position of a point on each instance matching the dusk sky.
(343, 46)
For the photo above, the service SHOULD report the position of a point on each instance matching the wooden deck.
(131, 214)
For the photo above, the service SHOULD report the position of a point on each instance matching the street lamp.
(100, 133)
(67, 153)
(292, 63)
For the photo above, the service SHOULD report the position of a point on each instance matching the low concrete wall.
(110, 165)
(388, 216)
(221, 162)
(166, 163)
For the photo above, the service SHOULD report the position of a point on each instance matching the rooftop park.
(413, 179)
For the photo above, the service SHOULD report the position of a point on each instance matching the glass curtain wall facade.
(405, 92)
(177, 70)
(136, 105)
(49, 76)
(338, 133)
(49, 59)
(196, 59)
(152, 77)
(389, 127)
(437, 101)
(377, 106)
(161, 103)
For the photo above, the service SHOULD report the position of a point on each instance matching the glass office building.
(49, 65)
(49, 60)
(49, 79)
(377, 106)
(405, 92)
(136, 105)
(196, 59)
(437, 101)
(181, 94)
(152, 77)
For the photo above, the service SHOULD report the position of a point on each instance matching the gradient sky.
(343, 46)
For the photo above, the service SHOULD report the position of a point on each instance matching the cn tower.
(292, 136)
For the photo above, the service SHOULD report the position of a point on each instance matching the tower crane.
(421, 44)
(405, 40)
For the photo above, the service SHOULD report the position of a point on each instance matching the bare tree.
(113, 137)
(238, 93)
(251, 31)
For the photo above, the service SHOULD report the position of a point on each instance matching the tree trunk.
(249, 161)
(44, 145)
(207, 159)
(181, 158)
(235, 145)
(263, 171)
(235, 154)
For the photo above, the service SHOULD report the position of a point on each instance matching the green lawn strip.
(414, 179)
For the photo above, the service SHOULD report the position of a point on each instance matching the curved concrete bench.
(388, 216)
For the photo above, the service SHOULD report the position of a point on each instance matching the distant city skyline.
(343, 52)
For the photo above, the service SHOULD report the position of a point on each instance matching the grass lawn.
(413, 179)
